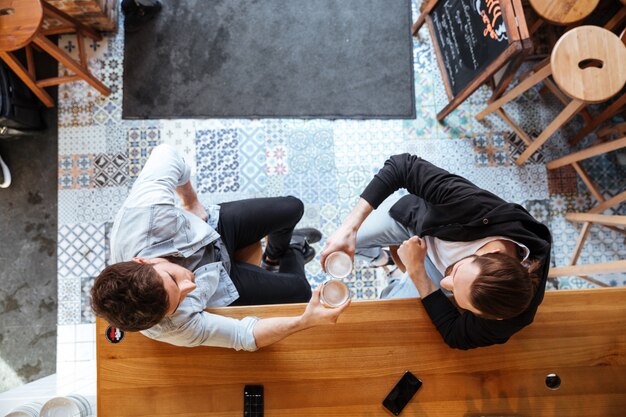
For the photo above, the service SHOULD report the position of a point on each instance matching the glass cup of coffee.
(338, 265)
(334, 293)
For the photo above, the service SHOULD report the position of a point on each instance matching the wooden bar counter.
(347, 369)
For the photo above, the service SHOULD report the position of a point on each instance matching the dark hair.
(130, 296)
(504, 287)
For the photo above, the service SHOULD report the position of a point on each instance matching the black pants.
(245, 222)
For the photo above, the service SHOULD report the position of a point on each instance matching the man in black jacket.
(492, 255)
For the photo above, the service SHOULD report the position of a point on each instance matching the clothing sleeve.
(163, 172)
(206, 329)
(465, 331)
(419, 177)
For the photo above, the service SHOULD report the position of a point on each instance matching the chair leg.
(55, 13)
(525, 85)
(520, 132)
(589, 269)
(605, 115)
(588, 153)
(61, 56)
(25, 76)
(563, 117)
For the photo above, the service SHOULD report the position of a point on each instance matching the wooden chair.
(587, 64)
(612, 110)
(562, 12)
(21, 27)
(614, 222)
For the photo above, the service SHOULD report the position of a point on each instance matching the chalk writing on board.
(471, 34)
(492, 18)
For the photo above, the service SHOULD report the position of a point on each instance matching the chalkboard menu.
(473, 40)
(471, 35)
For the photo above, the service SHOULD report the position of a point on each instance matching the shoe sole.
(311, 234)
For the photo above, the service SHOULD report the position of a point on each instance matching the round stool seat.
(588, 64)
(19, 22)
(563, 12)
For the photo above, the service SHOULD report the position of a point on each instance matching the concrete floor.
(28, 270)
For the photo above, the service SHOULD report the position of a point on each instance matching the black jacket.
(449, 207)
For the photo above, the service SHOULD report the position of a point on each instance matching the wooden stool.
(21, 27)
(593, 216)
(563, 12)
(612, 110)
(587, 64)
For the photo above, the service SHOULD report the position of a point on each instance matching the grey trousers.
(380, 230)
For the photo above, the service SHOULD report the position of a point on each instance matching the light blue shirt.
(150, 225)
(403, 286)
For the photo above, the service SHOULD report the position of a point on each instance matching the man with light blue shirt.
(171, 263)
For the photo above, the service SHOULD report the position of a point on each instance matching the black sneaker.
(310, 234)
(269, 266)
(301, 239)
(137, 15)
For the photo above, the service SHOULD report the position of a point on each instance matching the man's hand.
(190, 201)
(344, 240)
(316, 314)
(197, 209)
(412, 253)
(274, 329)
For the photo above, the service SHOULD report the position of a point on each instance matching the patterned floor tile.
(539, 209)
(606, 171)
(141, 141)
(563, 180)
(76, 115)
(252, 156)
(517, 146)
(75, 171)
(491, 150)
(80, 250)
(110, 170)
(93, 205)
(356, 142)
(459, 124)
(68, 313)
(217, 156)
(424, 126)
(69, 289)
(308, 151)
(106, 111)
(181, 134)
(116, 138)
(78, 140)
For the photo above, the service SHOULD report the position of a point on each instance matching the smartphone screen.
(402, 393)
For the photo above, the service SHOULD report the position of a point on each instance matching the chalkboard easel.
(473, 40)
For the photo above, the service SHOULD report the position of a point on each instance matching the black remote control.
(253, 400)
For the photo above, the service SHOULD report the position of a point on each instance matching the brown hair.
(505, 287)
(130, 296)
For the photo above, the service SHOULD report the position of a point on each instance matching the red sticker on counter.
(114, 335)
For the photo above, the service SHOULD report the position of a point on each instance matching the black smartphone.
(253, 401)
(402, 393)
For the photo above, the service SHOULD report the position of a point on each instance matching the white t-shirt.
(444, 253)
